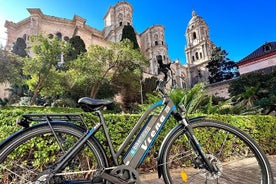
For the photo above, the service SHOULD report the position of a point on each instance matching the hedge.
(261, 128)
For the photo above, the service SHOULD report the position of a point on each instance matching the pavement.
(153, 177)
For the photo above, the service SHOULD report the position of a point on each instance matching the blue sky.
(238, 26)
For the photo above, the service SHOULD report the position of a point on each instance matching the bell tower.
(116, 18)
(198, 49)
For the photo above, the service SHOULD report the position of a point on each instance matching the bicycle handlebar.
(164, 68)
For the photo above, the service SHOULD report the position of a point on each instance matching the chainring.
(127, 174)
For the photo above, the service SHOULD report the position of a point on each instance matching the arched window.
(194, 35)
(193, 58)
(120, 19)
(200, 55)
(196, 54)
(59, 35)
(156, 42)
(66, 38)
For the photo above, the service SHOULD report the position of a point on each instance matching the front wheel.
(28, 156)
(237, 158)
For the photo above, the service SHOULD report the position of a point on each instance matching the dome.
(196, 19)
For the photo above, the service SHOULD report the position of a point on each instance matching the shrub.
(261, 128)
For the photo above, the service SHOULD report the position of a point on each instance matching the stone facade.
(151, 41)
(49, 25)
(198, 50)
(4, 92)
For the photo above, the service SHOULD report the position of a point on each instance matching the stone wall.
(219, 89)
(4, 93)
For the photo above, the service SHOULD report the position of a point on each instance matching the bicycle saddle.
(90, 104)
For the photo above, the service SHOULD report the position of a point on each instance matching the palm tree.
(249, 96)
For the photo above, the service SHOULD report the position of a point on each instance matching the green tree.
(10, 67)
(101, 64)
(149, 85)
(17, 91)
(44, 78)
(128, 74)
(11, 72)
(128, 79)
(88, 70)
(19, 47)
(129, 33)
(220, 67)
(77, 47)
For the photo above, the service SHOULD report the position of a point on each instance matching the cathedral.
(151, 41)
(198, 50)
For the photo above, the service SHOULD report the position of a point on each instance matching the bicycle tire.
(238, 157)
(29, 153)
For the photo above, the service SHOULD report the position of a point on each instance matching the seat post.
(105, 128)
(100, 115)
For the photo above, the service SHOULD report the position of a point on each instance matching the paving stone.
(153, 178)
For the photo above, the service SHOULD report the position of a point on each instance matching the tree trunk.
(96, 86)
(32, 102)
(95, 89)
(36, 90)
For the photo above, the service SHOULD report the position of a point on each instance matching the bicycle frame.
(147, 135)
(143, 141)
(130, 158)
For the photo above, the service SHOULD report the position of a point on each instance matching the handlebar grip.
(163, 67)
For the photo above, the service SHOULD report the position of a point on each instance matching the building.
(151, 41)
(198, 50)
(261, 59)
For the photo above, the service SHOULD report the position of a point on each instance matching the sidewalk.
(153, 178)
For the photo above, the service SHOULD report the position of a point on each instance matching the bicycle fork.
(201, 160)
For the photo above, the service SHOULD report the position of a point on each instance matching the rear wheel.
(236, 156)
(29, 156)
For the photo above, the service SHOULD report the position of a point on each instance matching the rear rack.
(28, 118)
